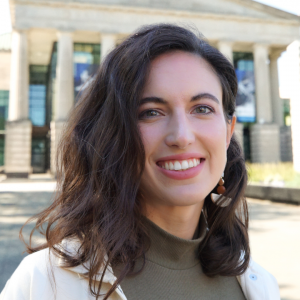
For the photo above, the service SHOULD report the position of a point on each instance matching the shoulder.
(257, 283)
(33, 267)
(39, 277)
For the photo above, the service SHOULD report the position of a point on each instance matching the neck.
(180, 221)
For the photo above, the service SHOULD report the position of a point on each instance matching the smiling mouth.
(180, 165)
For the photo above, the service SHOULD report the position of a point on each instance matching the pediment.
(241, 8)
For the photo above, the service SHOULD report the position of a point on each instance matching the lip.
(180, 157)
(182, 175)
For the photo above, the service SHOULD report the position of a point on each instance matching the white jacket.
(33, 280)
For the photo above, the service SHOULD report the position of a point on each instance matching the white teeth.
(177, 165)
(184, 164)
(171, 166)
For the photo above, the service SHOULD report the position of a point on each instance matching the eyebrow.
(194, 98)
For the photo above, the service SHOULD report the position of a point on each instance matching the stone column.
(277, 103)
(225, 48)
(295, 126)
(262, 84)
(64, 100)
(18, 127)
(64, 77)
(108, 43)
(239, 133)
(264, 135)
(294, 63)
(265, 143)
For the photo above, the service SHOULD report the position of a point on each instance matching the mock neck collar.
(172, 252)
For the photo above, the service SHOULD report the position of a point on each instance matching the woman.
(141, 171)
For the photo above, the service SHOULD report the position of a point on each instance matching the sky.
(5, 23)
(291, 6)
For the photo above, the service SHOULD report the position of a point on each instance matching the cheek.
(214, 132)
(151, 135)
(214, 139)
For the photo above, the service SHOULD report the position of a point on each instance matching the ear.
(230, 130)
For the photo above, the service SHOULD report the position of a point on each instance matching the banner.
(245, 100)
(84, 70)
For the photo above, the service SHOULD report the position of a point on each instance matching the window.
(39, 154)
(37, 95)
(286, 112)
(4, 100)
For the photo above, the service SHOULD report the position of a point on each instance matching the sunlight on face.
(183, 129)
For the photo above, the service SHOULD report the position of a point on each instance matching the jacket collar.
(70, 247)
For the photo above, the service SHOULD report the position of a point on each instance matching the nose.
(180, 133)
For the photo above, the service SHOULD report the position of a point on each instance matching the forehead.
(182, 74)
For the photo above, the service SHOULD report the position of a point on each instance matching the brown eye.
(149, 114)
(204, 110)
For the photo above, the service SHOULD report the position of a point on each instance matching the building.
(57, 45)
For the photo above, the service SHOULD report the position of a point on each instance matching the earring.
(220, 190)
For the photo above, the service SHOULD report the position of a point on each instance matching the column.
(264, 135)
(262, 84)
(225, 48)
(18, 127)
(108, 43)
(285, 140)
(277, 103)
(19, 79)
(64, 77)
(265, 143)
(64, 100)
(294, 89)
(239, 133)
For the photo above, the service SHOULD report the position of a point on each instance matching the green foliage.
(281, 174)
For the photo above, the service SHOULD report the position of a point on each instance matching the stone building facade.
(56, 46)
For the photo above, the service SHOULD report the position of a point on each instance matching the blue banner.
(245, 100)
(84, 70)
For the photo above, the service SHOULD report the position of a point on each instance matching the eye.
(203, 110)
(150, 113)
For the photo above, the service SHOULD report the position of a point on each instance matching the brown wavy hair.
(101, 159)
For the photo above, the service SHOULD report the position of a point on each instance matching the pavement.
(275, 243)
(274, 231)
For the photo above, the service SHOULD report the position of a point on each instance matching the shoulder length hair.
(102, 159)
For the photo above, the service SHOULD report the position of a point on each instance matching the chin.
(184, 198)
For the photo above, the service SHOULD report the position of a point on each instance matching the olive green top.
(173, 271)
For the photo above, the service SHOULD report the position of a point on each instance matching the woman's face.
(183, 129)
